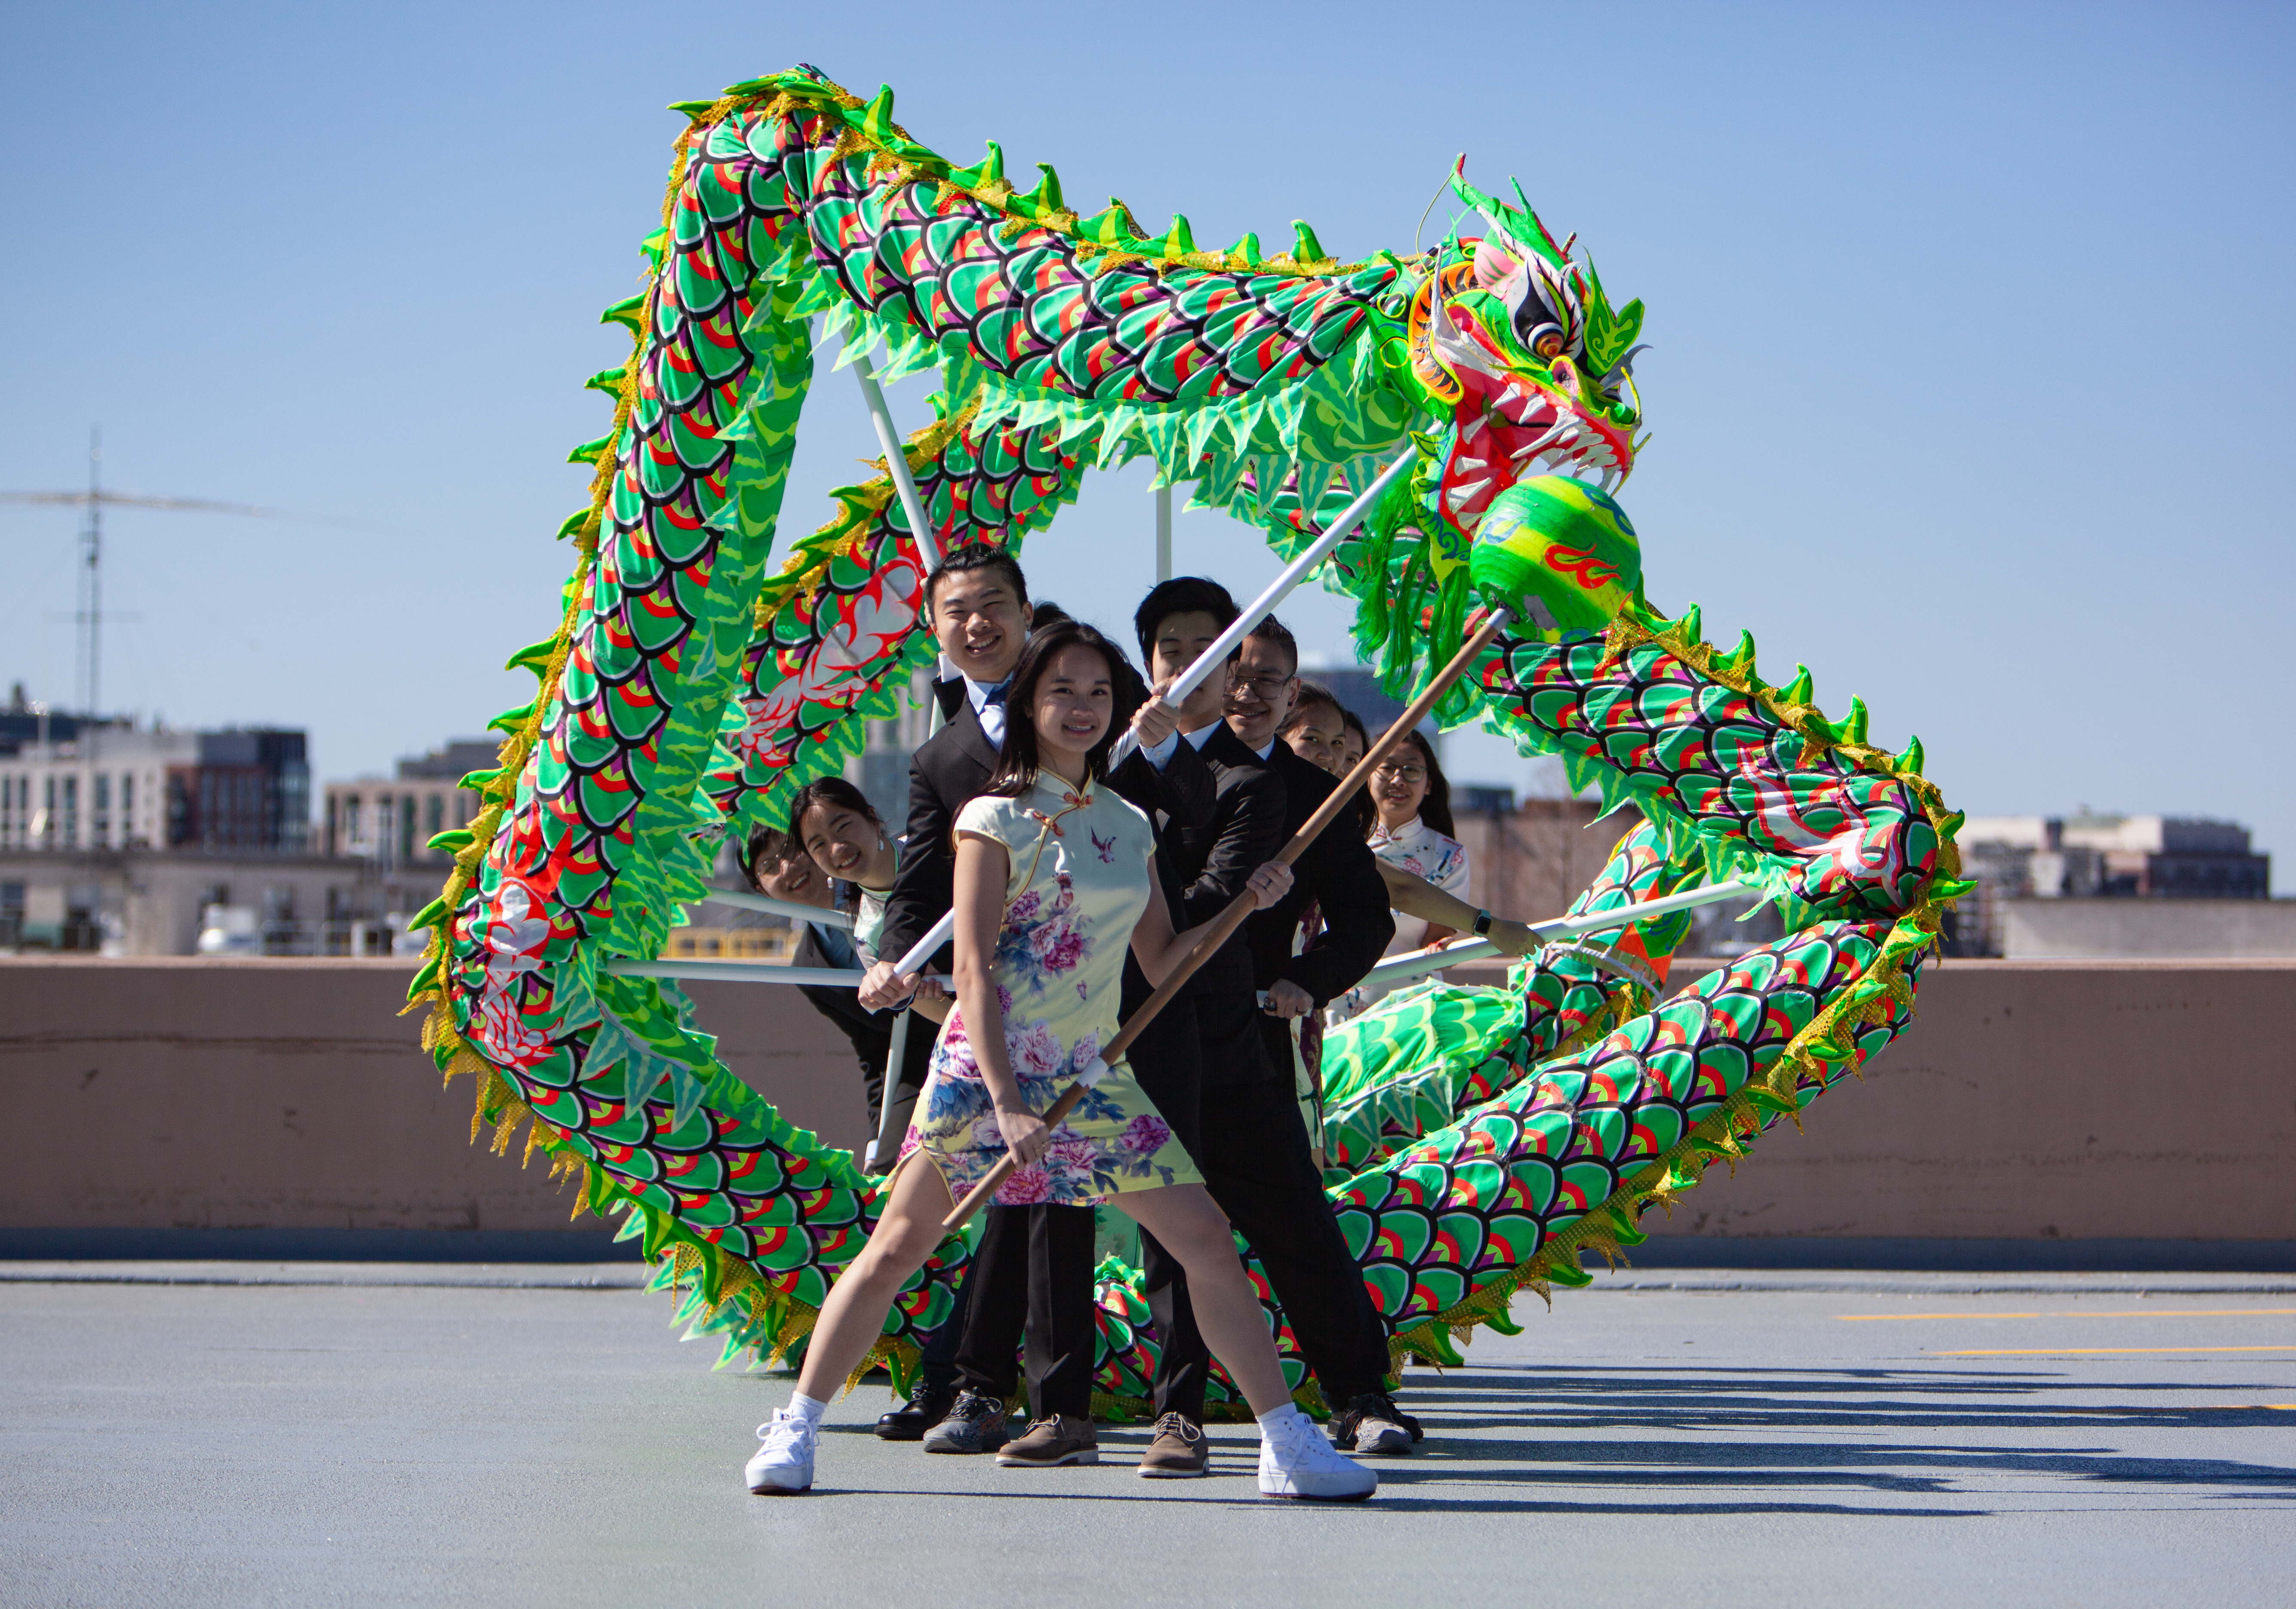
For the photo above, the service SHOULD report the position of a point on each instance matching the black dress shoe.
(920, 1414)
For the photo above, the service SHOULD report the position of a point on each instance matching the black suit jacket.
(1164, 1058)
(869, 1032)
(949, 768)
(1339, 873)
(1215, 859)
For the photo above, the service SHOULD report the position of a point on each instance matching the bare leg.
(1228, 1315)
(854, 1316)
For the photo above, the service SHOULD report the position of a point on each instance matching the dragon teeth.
(1539, 446)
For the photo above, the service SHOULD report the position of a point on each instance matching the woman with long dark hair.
(1414, 832)
(837, 855)
(1410, 835)
(842, 831)
(1053, 885)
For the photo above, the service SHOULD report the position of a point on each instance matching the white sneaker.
(784, 1464)
(1296, 1460)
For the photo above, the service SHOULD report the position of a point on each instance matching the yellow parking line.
(1884, 1317)
(2086, 1352)
(2130, 1313)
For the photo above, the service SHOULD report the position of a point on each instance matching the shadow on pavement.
(1731, 1406)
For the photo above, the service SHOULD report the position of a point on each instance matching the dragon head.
(1519, 344)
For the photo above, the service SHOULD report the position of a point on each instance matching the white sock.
(808, 1409)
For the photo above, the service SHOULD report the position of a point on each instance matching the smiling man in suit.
(1306, 950)
(1247, 1136)
(1209, 860)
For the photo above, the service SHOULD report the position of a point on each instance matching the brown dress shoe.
(1059, 1439)
(1179, 1450)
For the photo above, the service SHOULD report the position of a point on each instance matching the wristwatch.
(1482, 925)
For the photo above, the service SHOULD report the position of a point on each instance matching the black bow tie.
(995, 695)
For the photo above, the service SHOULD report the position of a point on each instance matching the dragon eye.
(1548, 344)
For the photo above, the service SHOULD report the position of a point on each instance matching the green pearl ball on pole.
(1558, 552)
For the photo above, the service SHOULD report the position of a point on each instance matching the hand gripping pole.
(1212, 658)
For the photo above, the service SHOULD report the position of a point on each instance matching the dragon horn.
(1520, 231)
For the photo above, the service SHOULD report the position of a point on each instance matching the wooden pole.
(1215, 932)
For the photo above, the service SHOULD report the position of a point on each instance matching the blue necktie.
(992, 712)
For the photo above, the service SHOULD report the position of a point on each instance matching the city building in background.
(391, 820)
(2094, 863)
(142, 841)
(246, 791)
(79, 782)
(69, 784)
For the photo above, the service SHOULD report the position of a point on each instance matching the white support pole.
(879, 1159)
(823, 915)
(1399, 969)
(897, 464)
(1163, 533)
(1263, 606)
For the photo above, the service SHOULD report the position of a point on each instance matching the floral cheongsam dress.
(1077, 883)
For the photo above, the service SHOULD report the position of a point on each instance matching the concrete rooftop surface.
(364, 1435)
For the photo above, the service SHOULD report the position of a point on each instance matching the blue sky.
(1970, 325)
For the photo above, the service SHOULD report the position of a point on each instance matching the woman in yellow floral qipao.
(1053, 881)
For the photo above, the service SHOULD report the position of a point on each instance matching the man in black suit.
(1176, 623)
(1033, 1263)
(1262, 1168)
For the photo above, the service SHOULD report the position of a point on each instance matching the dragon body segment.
(1487, 1137)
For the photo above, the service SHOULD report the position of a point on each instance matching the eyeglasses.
(1269, 688)
(1388, 771)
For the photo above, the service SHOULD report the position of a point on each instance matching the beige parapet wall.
(2080, 930)
(2031, 1100)
(192, 1093)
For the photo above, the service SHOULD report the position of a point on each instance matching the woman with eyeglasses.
(1411, 837)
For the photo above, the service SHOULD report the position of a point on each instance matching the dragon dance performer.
(1326, 734)
(842, 833)
(1205, 866)
(1052, 884)
(1257, 1156)
(1412, 837)
(1032, 1274)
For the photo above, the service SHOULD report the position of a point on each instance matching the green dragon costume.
(1487, 1139)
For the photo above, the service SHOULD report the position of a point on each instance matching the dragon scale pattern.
(1488, 1139)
